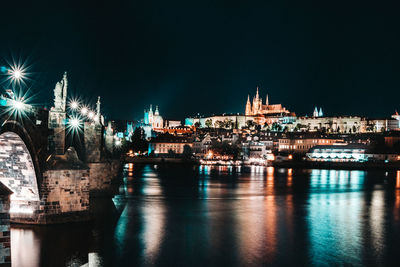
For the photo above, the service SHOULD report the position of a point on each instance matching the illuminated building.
(153, 118)
(396, 123)
(317, 113)
(220, 121)
(172, 124)
(396, 116)
(166, 144)
(349, 153)
(300, 144)
(256, 149)
(257, 108)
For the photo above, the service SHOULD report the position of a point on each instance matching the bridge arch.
(19, 167)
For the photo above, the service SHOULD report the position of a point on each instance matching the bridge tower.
(57, 118)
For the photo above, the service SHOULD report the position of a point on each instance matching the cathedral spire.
(156, 112)
(248, 106)
(315, 113)
(267, 101)
(257, 95)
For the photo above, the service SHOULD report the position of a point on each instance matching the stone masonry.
(102, 175)
(5, 247)
(93, 135)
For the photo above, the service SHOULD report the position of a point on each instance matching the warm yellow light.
(290, 157)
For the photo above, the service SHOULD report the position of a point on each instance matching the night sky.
(206, 57)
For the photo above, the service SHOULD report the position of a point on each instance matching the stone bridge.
(50, 183)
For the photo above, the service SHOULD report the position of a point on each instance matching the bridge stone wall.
(93, 139)
(5, 247)
(57, 121)
(65, 192)
(102, 175)
(32, 128)
(16, 168)
(64, 198)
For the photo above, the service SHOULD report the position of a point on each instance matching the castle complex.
(259, 109)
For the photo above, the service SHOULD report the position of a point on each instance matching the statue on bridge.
(60, 94)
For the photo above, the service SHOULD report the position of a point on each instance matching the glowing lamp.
(75, 122)
(17, 74)
(290, 157)
(84, 111)
(19, 105)
(74, 105)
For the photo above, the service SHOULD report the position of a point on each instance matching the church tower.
(267, 101)
(248, 106)
(315, 113)
(151, 114)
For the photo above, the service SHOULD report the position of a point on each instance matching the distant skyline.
(206, 57)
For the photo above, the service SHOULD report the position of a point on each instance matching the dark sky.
(206, 56)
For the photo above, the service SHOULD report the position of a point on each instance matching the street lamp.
(74, 125)
(74, 105)
(17, 74)
(84, 111)
(18, 105)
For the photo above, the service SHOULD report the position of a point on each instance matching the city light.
(91, 114)
(18, 105)
(74, 105)
(16, 108)
(74, 125)
(84, 111)
(75, 122)
(17, 73)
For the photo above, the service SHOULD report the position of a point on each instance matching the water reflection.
(27, 239)
(213, 216)
(335, 217)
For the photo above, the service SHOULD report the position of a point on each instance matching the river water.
(221, 216)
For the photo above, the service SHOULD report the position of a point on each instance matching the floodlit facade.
(220, 121)
(168, 144)
(300, 145)
(349, 153)
(257, 108)
(153, 119)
